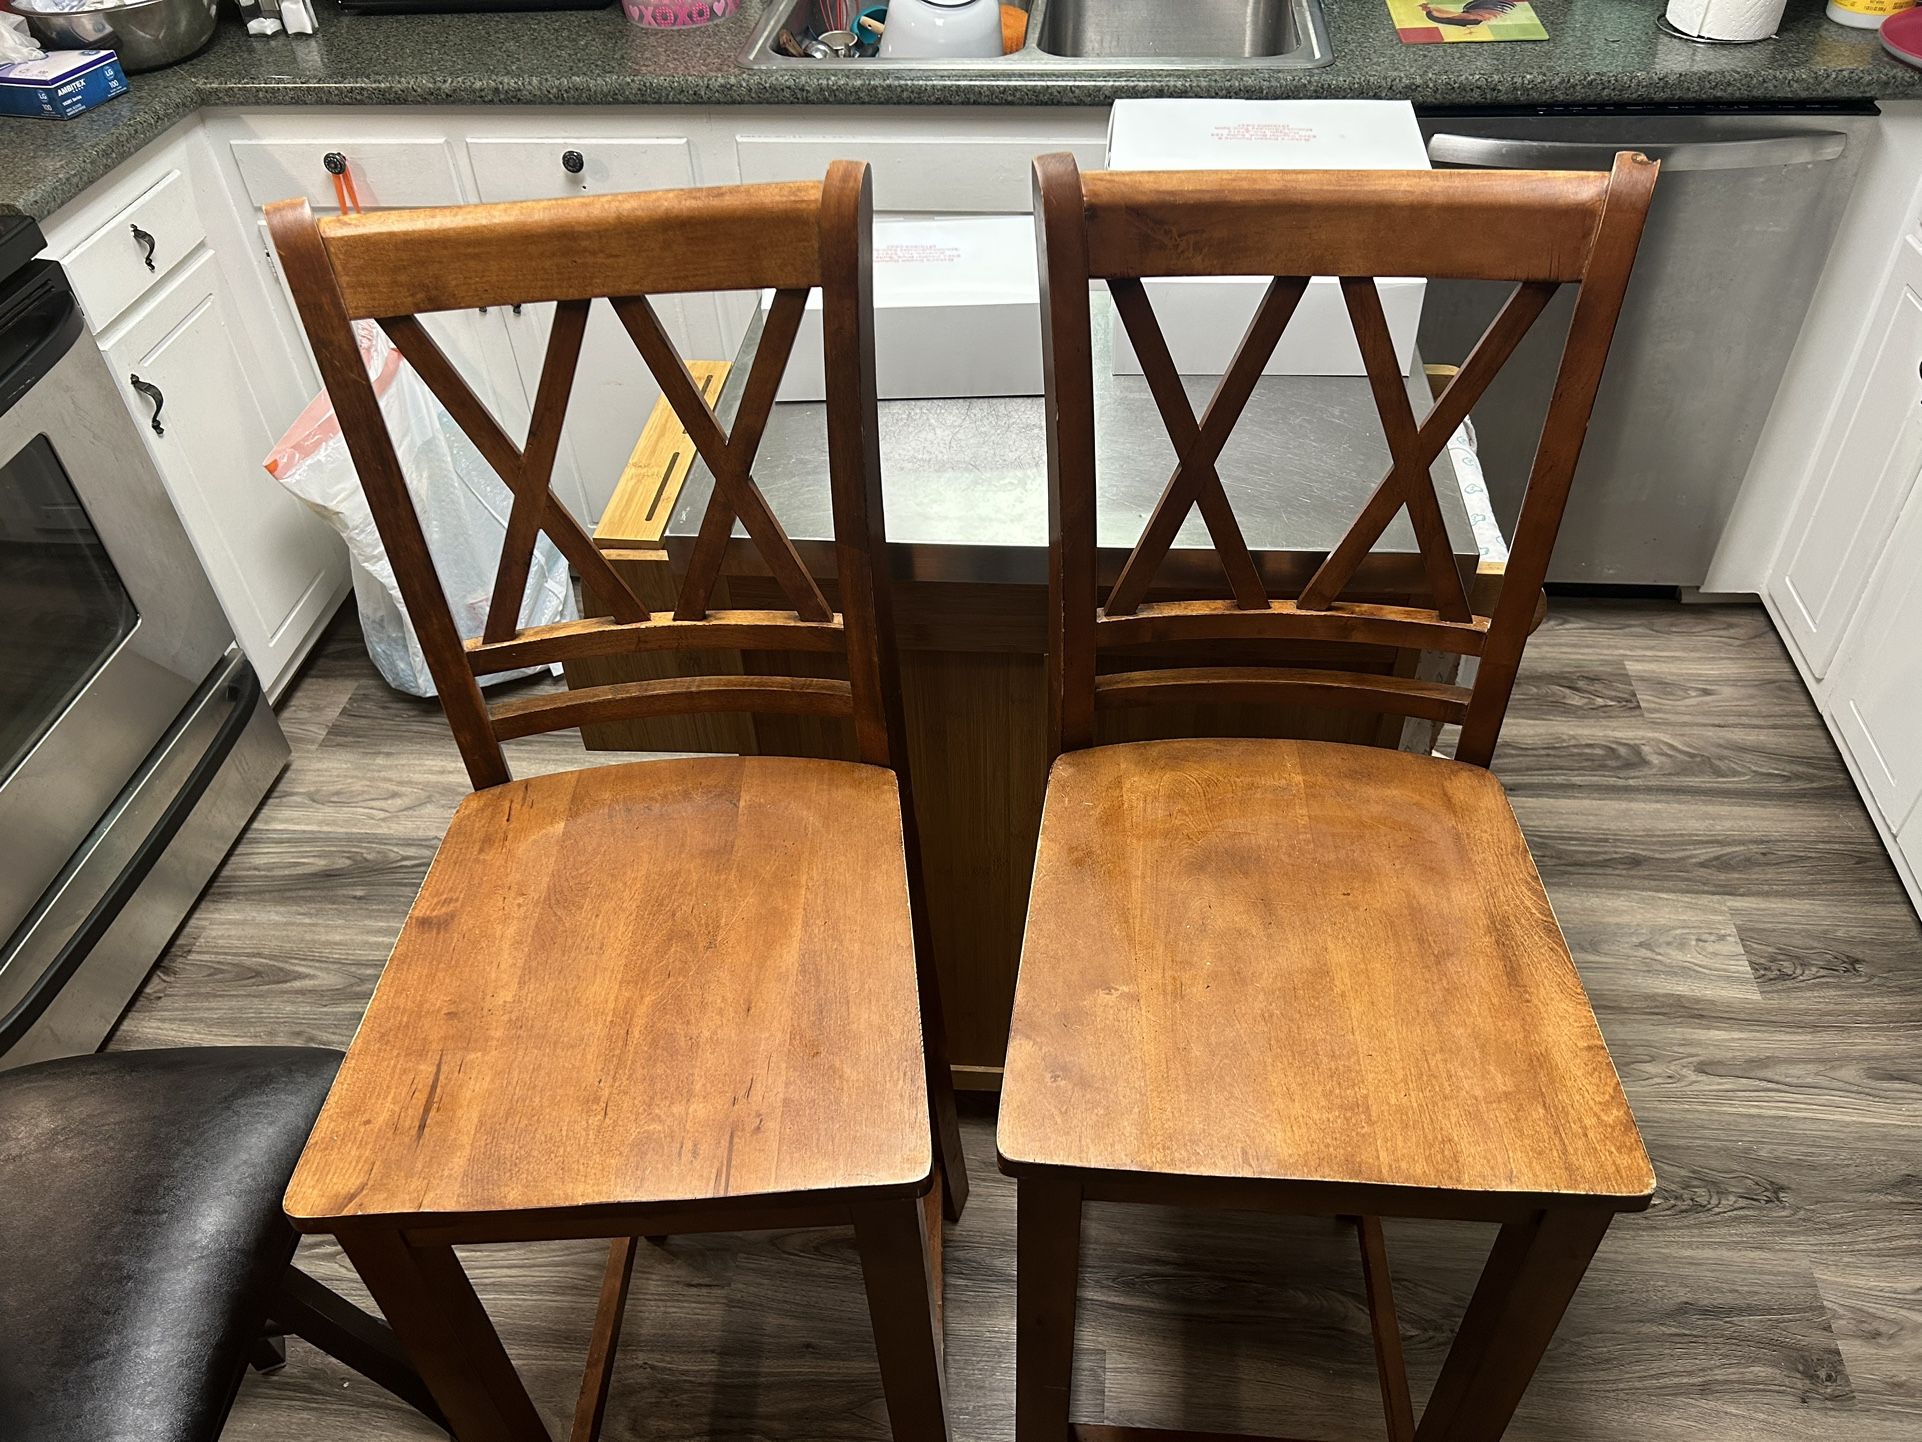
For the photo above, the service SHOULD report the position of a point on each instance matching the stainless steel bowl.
(147, 33)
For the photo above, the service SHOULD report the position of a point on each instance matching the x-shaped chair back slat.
(730, 457)
(1407, 485)
(1543, 229)
(1198, 444)
(394, 267)
(527, 474)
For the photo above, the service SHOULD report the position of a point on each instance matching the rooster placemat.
(1424, 22)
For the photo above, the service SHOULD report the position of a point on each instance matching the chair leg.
(1386, 1327)
(1046, 1279)
(591, 1410)
(895, 1264)
(947, 1124)
(319, 1315)
(268, 1353)
(432, 1308)
(931, 1206)
(1526, 1285)
(934, 1036)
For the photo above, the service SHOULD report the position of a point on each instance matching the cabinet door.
(1875, 696)
(1857, 490)
(278, 569)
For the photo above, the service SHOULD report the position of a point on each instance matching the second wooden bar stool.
(1292, 976)
(671, 996)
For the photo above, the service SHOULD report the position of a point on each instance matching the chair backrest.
(392, 267)
(1540, 230)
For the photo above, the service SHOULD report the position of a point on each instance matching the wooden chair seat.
(1303, 962)
(675, 981)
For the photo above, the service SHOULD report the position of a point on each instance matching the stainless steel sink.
(1130, 36)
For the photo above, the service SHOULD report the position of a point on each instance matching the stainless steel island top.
(965, 481)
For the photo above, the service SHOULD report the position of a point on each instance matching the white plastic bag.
(461, 502)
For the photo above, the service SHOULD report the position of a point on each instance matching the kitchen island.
(966, 485)
(1596, 54)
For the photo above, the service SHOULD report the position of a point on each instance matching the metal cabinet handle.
(335, 162)
(573, 162)
(152, 393)
(1505, 152)
(142, 238)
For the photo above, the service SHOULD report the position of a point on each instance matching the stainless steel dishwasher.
(1743, 215)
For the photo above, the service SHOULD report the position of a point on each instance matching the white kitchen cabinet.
(278, 570)
(1863, 479)
(1874, 697)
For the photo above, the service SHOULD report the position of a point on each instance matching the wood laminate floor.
(1756, 968)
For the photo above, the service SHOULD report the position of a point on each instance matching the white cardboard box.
(1204, 317)
(957, 312)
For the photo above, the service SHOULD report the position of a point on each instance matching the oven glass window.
(65, 608)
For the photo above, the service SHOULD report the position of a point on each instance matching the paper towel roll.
(1727, 19)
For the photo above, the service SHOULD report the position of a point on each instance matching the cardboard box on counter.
(1204, 317)
(62, 85)
(957, 312)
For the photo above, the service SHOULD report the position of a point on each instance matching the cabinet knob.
(142, 238)
(573, 162)
(335, 162)
(152, 393)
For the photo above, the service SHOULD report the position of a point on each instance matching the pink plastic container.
(678, 14)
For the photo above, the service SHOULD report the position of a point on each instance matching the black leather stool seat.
(141, 1234)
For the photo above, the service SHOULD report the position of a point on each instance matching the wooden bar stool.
(750, 1040)
(1305, 977)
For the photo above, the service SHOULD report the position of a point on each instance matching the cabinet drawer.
(931, 173)
(385, 172)
(115, 266)
(535, 169)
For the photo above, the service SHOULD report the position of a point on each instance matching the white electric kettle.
(941, 29)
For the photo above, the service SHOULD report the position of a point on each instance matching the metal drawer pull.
(152, 393)
(142, 238)
(335, 162)
(573, 162)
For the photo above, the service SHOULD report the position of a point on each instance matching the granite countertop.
(1599, 52)
(967, 479)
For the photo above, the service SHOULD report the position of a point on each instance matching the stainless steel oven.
(134, 741)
